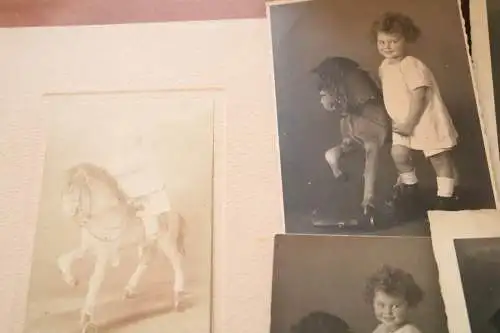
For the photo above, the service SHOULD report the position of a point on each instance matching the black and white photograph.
(124, 235)
(355, 284)
(479, 265)
(377, 117)
(493, 8)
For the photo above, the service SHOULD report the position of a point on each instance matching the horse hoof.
(129, 294)
(343, 177)
(369, 214)
(89, 328)
(69, 279)
(85, 320)
(178, 299)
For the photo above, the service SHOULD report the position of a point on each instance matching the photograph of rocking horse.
(124, 236)
(377, 116)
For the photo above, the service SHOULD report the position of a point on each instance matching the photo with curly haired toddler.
(393, 293)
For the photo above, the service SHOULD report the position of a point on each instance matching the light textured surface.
(481, 56)
(445, 228)
(233, 56)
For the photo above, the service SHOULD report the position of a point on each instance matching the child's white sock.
(408, 178)
(445, 187)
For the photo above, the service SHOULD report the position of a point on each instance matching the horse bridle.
(343, 99)
(87, 216)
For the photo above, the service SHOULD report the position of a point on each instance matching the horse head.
(344, 86)
(90, 190)
(76, 192)
(332, 73)
(321, 322)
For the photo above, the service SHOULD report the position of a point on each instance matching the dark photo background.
(303, 34)
(479, 265)
(493, 7)
(328, 273)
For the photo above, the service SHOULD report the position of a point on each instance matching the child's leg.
(401, 156)
(445, 173)
(446, 178)
(406, 202)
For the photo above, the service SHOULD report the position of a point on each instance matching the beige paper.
(482, 67)
(446, 227)
(232, 56)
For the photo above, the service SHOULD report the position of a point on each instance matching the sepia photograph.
(355, 284)
(377, 116)
(464, 246)
(124, 235)
(479, 265)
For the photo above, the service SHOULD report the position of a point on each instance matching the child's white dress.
(136, 171)
(435, 130)
(408, 328)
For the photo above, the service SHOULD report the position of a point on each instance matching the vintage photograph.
(479, 265)
(493, 8)
(124, 235)
(377, 116)
(355, 284)
(464, 245)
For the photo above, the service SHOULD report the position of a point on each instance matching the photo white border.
(483, 78)
(445, 228)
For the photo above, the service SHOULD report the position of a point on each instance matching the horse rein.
(88, 216)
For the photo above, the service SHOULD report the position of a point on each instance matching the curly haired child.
(393, 293)
(421, 121)
(320, 322)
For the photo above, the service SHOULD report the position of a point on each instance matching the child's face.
(390, 310)
(391, 46)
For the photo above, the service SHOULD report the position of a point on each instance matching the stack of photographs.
(382, 140)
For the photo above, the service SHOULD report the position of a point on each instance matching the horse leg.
(370, 174)
(169, 246)
(94, 287)
(130, 289)
(146, 251)
(334, 155)
(65, 261)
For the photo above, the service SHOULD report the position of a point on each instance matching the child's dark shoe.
(446, 203)
(407, 203)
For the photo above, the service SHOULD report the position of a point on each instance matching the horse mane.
(331, 65)
(335, 72)
(102, 175)
(371, 83)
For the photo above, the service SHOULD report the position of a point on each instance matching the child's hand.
(405, 129)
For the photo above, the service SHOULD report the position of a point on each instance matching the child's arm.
(418, 79)
(417, 108)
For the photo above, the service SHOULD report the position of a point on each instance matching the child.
(393, 292)
(420, 118)
(320, 322)
(135, 170)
